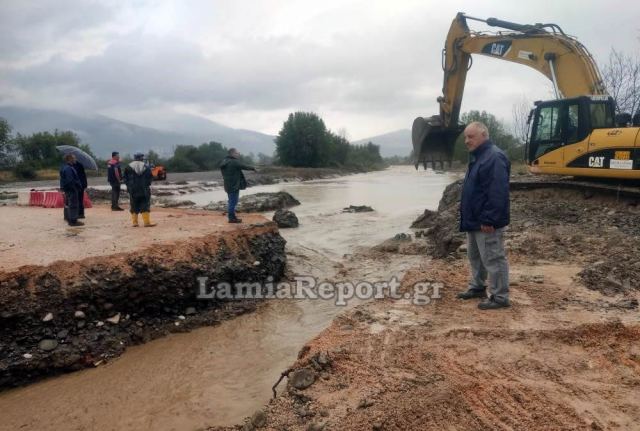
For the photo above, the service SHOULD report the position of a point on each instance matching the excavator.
(576, 134)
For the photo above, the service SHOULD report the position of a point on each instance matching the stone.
(114, 320)
(285, 218)
(48, 345)
(79, 314)
(365, 403)
(190, 311)
(64, 333)
(259, 419)
(258, 202)
(99, 323)
(302, 378)
(27, 356)
(48, 317)
(316, 426)
(357, 209)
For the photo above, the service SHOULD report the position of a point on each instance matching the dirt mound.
(542, 364)
(70, 315)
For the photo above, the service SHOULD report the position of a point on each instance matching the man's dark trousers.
(115, 195)
(233, 202)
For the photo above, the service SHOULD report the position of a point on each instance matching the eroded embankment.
(564, 356)
(74, 314)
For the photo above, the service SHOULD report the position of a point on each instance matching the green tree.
(39, 149)
(7, 156)
(210, 155)
(497, 133)
(303, 141)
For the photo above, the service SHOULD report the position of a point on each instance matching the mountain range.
(396, 143)
(105, 134)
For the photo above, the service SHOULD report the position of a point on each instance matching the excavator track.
(590, 187)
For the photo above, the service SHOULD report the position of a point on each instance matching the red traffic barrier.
(36, 199)
(53, 200)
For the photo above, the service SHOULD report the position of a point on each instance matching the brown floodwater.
(219, 375)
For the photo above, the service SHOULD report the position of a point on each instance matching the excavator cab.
(566, 123)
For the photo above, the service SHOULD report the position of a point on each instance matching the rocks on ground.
(357, 209)
(285, 218)
(258, 202)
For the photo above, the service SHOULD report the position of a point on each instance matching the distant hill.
(397, 143)
(105, 134)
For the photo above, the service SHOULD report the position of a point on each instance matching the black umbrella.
(83, 158)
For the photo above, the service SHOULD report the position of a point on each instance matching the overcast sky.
(367, 67)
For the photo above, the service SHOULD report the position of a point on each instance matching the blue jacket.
(114, 172)
(485, 192)
(69, 180)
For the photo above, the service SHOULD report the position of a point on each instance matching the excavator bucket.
(432, 143)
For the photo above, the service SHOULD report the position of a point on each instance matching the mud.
(564, 356)
(68, 315)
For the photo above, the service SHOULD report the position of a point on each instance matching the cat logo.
(596, 162)
(497, 48)
(614, 132)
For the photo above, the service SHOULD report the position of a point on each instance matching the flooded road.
(218, 375)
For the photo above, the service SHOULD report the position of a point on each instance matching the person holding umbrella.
(71, 185)
(82, 175)
(81, 161)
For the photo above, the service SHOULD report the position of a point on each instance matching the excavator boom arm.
(561, 58)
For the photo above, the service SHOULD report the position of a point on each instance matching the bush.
(25, 171)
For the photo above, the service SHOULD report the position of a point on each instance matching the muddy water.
(219, 375)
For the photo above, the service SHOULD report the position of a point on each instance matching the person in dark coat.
(234, 181)
(114, 176)
(71, 186)
(484, 213)
(137, 177)
(82, 175)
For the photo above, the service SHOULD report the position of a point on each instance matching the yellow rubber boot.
(134, 219)
(146, 217)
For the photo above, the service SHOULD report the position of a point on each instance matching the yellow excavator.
(576, 134)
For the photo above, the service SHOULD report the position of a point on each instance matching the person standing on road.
(234, 181)
(484, 213)
(114, 176)
(71, 185)
(82, 175)
(137, 177)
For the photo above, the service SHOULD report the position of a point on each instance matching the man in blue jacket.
(484, 213)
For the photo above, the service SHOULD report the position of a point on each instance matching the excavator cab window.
(602, 115)
(546, 130)
(557, 123)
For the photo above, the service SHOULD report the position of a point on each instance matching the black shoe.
(472, 293)
(76, 223)
(235, 220)
(492, 304)
(117, 209)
